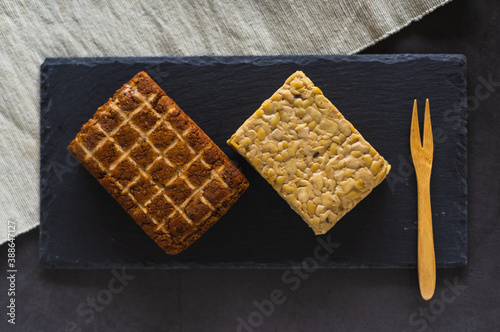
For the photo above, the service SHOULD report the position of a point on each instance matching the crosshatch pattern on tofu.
(158, 164)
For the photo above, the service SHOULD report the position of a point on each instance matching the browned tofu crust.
(158, 164)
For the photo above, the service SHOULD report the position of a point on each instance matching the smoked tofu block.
(158, 164)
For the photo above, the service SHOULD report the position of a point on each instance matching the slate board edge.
(45, 100)
(257, 60)
(464, 158)
(232, 266)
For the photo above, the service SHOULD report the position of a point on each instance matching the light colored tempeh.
(158, 164)
(314, 158)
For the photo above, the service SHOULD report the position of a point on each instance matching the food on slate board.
(158, 164)
(312, 156)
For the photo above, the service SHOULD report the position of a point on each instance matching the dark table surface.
(466, 299)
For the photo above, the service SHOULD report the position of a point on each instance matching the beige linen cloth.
(31, 31)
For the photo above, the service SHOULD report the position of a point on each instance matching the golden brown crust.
(158, 164)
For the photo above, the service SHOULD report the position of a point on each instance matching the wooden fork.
(422, 161)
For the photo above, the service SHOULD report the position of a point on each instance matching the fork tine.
(415, 141)
(428, 141)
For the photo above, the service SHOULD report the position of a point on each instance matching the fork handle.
(426, 257)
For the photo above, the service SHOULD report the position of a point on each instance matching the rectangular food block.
(158, 164)
(312, 156)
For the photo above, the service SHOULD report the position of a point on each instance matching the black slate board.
(83, 227)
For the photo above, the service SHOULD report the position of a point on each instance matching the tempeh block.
(158, 164)
(312, 156)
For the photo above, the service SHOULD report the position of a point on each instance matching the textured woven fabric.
(31, 31)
